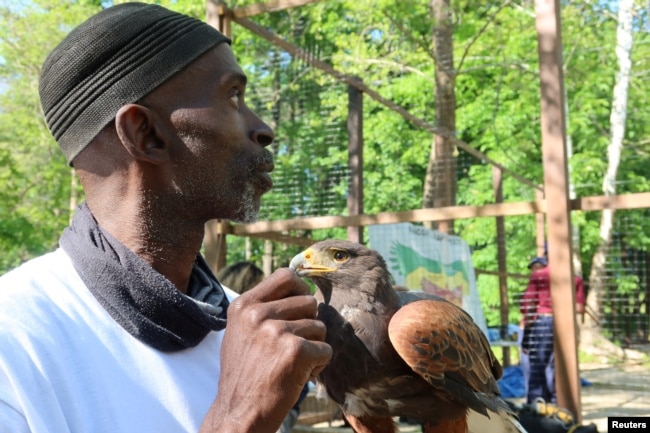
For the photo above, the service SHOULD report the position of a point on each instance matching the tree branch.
(397, 65)
(478, 35)
(417, 41)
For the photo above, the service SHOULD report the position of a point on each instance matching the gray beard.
(247, 210)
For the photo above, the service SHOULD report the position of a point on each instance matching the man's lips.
(264, 179)
(263, 169)
(266, 167)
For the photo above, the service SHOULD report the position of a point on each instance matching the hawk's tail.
(501, 421)
(497, 422)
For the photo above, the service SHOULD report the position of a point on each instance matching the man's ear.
(140, 135)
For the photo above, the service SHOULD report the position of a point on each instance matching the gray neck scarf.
(138, 298)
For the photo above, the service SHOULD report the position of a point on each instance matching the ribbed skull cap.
(114, 58)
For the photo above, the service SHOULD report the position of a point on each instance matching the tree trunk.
(617, 132)
(440, 180)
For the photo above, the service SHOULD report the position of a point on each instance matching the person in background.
(537, 317)
(241, 277)
(524, 358)
(537, 263)
(123, 328)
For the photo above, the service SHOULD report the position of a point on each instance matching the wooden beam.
(285, 239)
(268, 6)
(417, 215)
(272, 230)
(637, 200)
(628, 201)
(558, 212)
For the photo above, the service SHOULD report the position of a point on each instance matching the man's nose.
(261, 133)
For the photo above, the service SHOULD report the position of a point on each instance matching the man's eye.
(236, 97)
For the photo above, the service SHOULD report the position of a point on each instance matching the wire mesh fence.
(625, 298)
(308, 110)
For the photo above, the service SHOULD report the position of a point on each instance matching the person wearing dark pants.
(541, 382)
(537, 314)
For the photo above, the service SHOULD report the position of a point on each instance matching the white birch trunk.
(617, 132)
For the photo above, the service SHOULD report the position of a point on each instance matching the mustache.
(265, 158)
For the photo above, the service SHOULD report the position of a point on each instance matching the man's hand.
(272, 345)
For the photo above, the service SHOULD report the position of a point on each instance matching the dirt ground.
(616, 391)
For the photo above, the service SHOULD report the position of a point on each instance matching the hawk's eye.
(340, 256)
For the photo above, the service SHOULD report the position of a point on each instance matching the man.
(122, 328)
(524, 360)
(537, 318)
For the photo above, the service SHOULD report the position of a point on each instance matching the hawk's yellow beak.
(309, 263)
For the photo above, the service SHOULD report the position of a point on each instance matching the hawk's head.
(337, 264)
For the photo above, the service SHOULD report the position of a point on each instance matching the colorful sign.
(431, 261)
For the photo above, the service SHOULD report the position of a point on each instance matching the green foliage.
(498, 105)
(388, 45)
(35, 180)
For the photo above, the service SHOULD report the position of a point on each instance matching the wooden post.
(504, 306)
(540, 236)
(218, 16)
(554, 151)
(355, 160)
(215, 244)
(216, 248)
(267, 258)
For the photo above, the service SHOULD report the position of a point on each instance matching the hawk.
(400, 353)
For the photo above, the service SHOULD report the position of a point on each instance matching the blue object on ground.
(512, 383)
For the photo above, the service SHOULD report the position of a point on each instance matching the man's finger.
(308, 329)
(280, 284)
(291, 308)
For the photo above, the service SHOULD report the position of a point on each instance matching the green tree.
(497, 92)
(35, 181)
(389, 45)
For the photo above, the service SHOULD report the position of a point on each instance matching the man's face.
(220, 167)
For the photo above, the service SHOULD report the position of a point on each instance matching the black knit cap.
(114, 58)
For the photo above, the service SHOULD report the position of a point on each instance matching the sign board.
(431, 261)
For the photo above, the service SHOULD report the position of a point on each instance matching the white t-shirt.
(67, 367)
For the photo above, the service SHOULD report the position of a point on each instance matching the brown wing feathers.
(445, 349)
